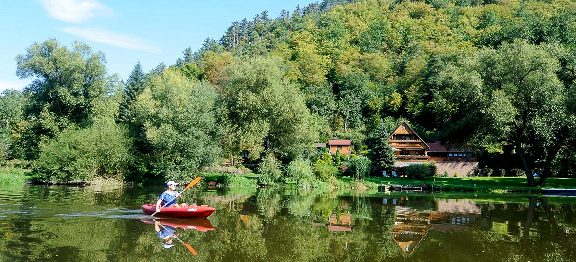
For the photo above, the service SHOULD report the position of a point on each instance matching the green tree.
(66, 83)
(265, 111)
(82, 155)
(133, 87)
(178, 117)
(11, 108)
(381, 153)
(512, 96)
(269, 170)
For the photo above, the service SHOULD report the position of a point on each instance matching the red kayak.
(199, 224)
(187, 211)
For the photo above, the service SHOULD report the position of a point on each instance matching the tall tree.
(133, 87)
(12, 103)
(265, 111)
(66, 85)
(178, 117)
(511, 96)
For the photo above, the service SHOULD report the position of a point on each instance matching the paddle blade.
(194, 182)
(189, 247)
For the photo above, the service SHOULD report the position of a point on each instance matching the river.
(55, 223)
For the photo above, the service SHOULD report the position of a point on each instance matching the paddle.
(188, 246)
(191, 184)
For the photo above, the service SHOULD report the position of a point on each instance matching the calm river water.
(40, 223)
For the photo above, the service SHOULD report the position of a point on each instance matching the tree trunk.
(547, 168)
(525, 166)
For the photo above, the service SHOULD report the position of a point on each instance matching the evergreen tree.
(132, 89)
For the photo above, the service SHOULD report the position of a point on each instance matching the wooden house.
(407, 145)
(410, 148)
(342, 146)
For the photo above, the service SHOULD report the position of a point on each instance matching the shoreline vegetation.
(494, 78)
(10, 176)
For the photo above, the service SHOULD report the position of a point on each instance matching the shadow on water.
(39, 223)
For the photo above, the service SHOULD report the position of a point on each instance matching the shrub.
(12, 176)
(324, 168)
(300, 172)
(79, 155)
(359, 167)
(420, 171)
(269, 170)
(324, 171)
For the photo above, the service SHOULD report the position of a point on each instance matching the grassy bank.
(12, 176)
(477, 184)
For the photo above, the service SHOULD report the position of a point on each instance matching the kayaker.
(168, 197)
(166, 233)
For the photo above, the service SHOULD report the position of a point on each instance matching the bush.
(300, 172)
(324, 171)
(12, 176)
(420, 171)
(324, 168)
(359, 167)
(80, 155)
(269, 170)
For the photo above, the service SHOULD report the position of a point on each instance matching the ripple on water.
(115, 213)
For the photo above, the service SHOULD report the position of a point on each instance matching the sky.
(126, 31)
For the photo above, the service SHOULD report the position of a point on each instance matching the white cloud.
(13, 84)
(111, 38)
(74, 11)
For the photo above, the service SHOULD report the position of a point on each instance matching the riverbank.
(498, 185)
(472, 184)
(12, 176)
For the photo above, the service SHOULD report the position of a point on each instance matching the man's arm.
(158, 205)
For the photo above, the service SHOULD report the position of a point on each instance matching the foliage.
(178, 117)
(133, 87)
(65, 85)
(300, 172)
(420, 171)
(12, 176)
(79, 155)
(269, 170)
(265, 111)
(324, 168)
(382, 155)
(359, 167)
(11, 108)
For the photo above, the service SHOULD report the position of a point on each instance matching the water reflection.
(412, 225)
(77, 224)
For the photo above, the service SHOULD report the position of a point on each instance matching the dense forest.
(495, 76)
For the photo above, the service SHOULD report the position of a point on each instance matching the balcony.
(406, 157)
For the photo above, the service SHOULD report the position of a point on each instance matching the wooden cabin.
(342, 146)
(407, 145)
(410, 148)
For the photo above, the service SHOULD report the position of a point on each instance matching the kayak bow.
(187, 211)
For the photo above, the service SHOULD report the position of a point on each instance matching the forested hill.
(475, 72)
(360, 61)
(497, 76)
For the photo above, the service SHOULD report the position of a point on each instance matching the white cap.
(169, 183)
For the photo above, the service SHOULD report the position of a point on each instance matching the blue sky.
(127, 31)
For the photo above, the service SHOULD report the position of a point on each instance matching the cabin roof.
(410, 129)
(337, 142)
(437, 147)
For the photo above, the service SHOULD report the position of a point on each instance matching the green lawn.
(478, 184)
(12, 176)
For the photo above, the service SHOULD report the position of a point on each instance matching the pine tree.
(132, 89)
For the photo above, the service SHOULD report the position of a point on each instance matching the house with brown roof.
(410, 148)
(342, 146)
(407, 144)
